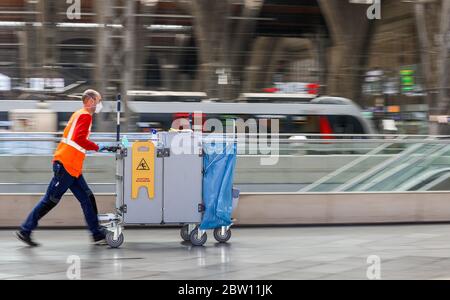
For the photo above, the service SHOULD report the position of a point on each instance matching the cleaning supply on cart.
(154, 136)
(125, 142)
(219, 161)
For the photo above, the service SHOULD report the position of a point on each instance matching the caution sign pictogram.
(143, 166)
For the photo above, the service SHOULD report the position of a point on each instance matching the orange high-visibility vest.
(68, 152)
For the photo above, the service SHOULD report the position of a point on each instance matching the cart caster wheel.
(184, 232)
(222, 238)
(114, 243)
(197, 240)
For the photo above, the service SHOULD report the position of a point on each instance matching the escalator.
(421, 166)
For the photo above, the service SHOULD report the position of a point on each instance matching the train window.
(302, 124)
(345, 125)
(3, 116)
(312, 124)
(322, 125)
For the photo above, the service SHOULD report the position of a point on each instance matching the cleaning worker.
(67, 169)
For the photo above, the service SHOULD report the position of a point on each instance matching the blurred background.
(394, 68)
(357, 89)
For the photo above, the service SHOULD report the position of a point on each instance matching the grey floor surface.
(403, 252)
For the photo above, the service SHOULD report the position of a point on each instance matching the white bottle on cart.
(154, 137)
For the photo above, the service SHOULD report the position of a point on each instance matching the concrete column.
(442, 105)
(241, 42)
(102, 49)
(142, 53)
(115, 56)
(263, 47)
(211, 29)
(23, 54)
(349, 27)
(102, 9)
(46, 56)
(433, 26)
(129, 50)
(220, 47)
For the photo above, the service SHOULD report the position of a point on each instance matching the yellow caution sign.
(143, 157)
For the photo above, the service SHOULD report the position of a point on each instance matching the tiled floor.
(405, 252)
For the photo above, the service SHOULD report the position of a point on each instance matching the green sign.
(408, 78)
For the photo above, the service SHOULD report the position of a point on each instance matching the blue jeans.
(61, 182)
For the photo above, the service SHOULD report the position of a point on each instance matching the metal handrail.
(427, 156)
(378, 168)
(250, 138)
(408, 185)
(233, 134)
(345, 168)
(367, 147)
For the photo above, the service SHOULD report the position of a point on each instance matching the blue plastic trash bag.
(219, 161)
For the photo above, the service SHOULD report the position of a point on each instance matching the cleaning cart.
(172, 179)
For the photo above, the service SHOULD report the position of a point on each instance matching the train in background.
(158, 110)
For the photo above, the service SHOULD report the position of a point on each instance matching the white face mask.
(99, 107)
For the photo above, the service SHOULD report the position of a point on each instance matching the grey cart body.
(178, 186)
(178, 178)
